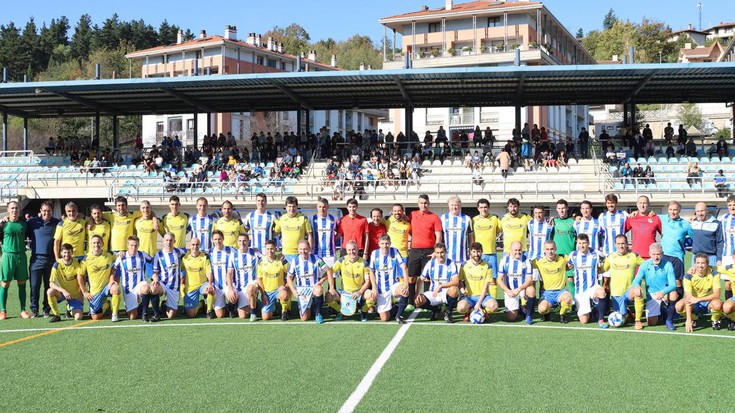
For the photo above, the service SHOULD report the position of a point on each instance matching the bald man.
(708, 238)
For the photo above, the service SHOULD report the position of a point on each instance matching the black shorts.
(417, 259)
(678, 266)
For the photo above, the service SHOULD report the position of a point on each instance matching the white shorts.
(513, 303)
(220, 299)
(653, 307)
(172, 297)
(242, 298)
(329, 261)
(726, 260)
(441, 297)
(131, 298)
(385, 299)
(584, 300)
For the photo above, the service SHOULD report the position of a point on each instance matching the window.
(434, 27)
(174, 125)
(159, 127)
(283, 65)
(487, 116)
(259, 61)
(493, 21)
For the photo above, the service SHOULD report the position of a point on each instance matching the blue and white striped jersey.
(244, 265)
(592, 229)
(456, 229)
(539, 232)
(168, 267)
(387, 268)
(514, 270)
(201, 228)
(439, 273)
(306, 272)
(728, 231)
(131, 269)
(260, 228)
(611, 224)
(220, 260)
(585, 270)
(325, 232)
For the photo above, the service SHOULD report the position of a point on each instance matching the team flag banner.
(304, 298)
(348, 305)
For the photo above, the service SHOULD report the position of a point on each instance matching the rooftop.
(459, 8)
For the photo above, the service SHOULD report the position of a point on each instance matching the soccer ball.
(615, 319)
(477, 317)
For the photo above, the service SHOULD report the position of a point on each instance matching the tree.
(294, 37)
(108, 36)
(609, 20)
(167, 34)
(356, 50)
(31, 54)
(580, 33)
(11, 47)
(81, 41)
(690, 115)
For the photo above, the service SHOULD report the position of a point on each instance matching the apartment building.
(480, 34)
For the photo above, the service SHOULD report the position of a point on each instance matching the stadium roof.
(445, 87)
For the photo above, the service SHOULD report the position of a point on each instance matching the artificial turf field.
(234, 365)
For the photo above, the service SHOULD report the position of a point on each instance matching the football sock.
(288, 305)
(730, 316)
(493, 291)
(335, 306)
(3, 298)
(317, 303)
(210, 302)
(145, 299)
(564, 308)
(393, 311)
(639, 305)
(115, 303)
(369, 303)
(680, 292)
(530, 303)
(715, 315)
(728, 294)
(670, 311)
(402, 303)
(411, 292)
(451, 303)
(156, 303)
(601, 309)
(22, 296)
(54, 304)
(285, 306)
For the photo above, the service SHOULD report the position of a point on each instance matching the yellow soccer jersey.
(514, 229)
(65, 276)
(72, 232)
(553, 273)
(98, 269)
(398, 232)
(728, 270)
(196, 270)
(354, 274)
(103, 230)
(486, 232)
(293, 229)
(176, 225)
(701, 285)
(231, 229)
(122, 228)
(475, 276)
(148, 236)
(273, 274)
(622, 271)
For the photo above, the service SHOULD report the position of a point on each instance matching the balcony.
(488, 58)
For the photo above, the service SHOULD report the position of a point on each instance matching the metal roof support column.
(5, 131)
(307, 114)
(196, 129)
(518, 119)
(632, 114)
(96, 129)
(385, 43)
(115, 132)
(409, 123)
(25, 134)
(298, 122)
(625, 115)
(209, 124)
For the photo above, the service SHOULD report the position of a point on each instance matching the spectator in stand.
(650, 147)
(638, 173)
(504, 162)
(682, 135)
(610, 156)
(488, 138)
(477, 178)
(647, 133)
(139, 143)
(477, 137)
(570, 149)
(562, 159)
(681, 150)
(694, 174)
(489, 160)
(526, 154)
(583, 139)
(691, 147)
(604, 141)
(720, 184)
(627, 173)
(670, 152)
(51, 146)
(668, 133)
(722, 149)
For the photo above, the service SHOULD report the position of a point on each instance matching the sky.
(340, 19)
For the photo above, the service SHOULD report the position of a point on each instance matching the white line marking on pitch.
(367, 381)
(347, 322)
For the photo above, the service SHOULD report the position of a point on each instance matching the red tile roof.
(466, 7)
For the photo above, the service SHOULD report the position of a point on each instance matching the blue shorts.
(191, 299)
(492, 261)
(701, 307)
(472, 301)
(552, 296)
(98, 301)
(620, 303)
(272, 300)
(72, 304)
